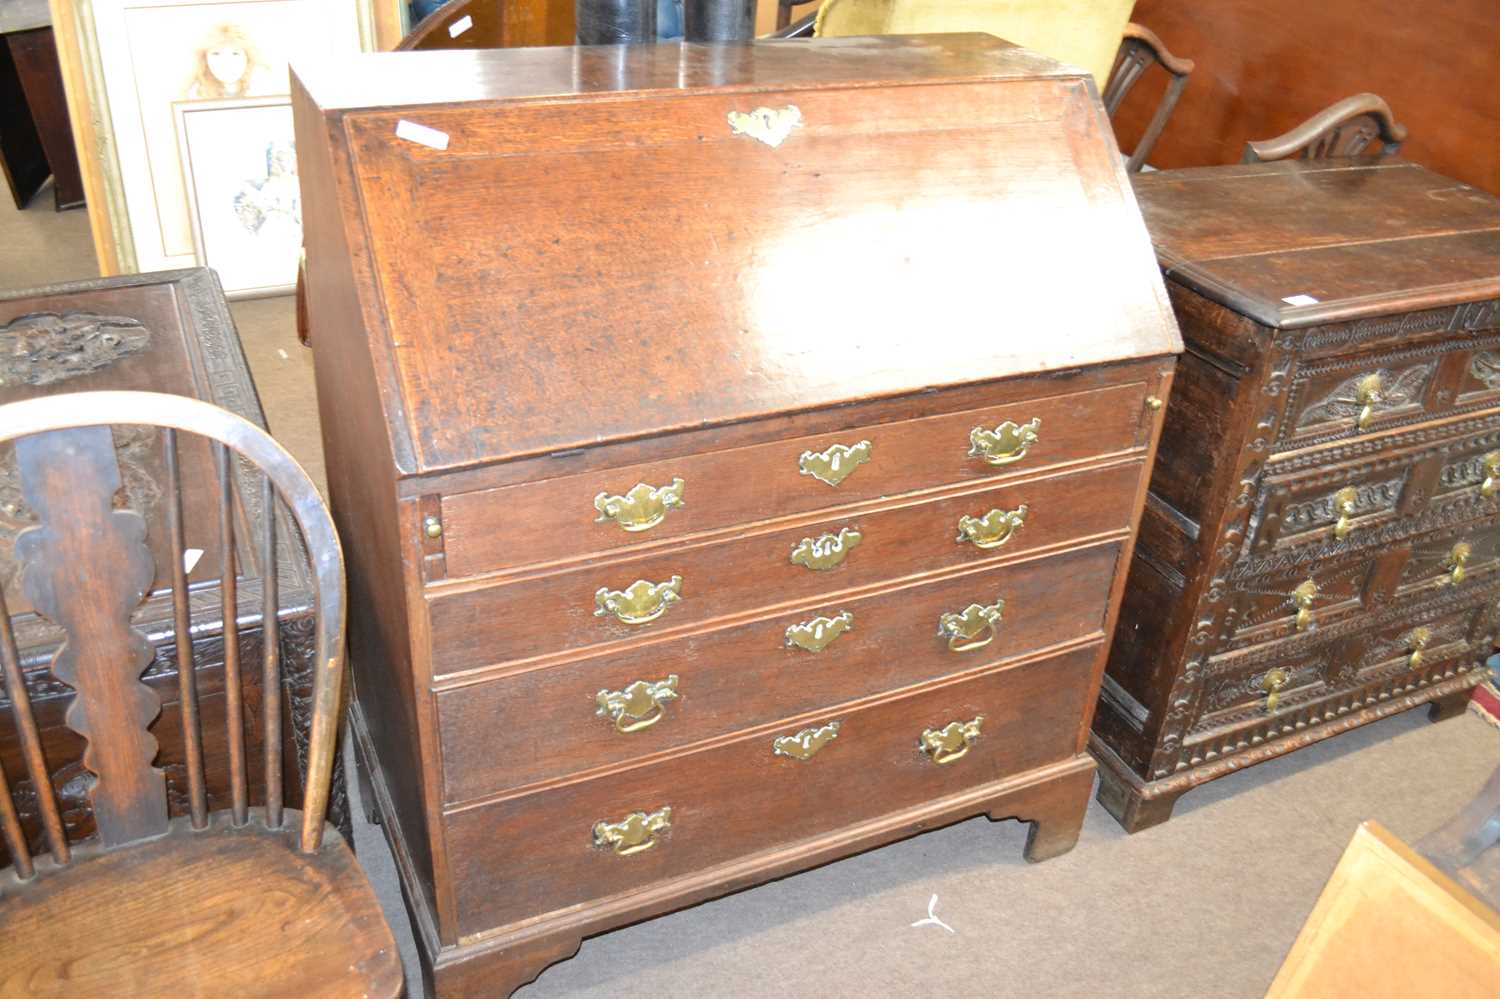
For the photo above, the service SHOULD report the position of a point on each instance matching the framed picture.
(244, 202)
(154, 55)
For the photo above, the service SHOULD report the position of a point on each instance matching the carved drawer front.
(613, 709)
(1353, 396)
(1479, 384)
(778, 785)
(1468, 476)
(1248, 688)
(1269, 608)
(1455, 560)
(636, 597)
(1337, 508)
(1412, 647)
(576, 515)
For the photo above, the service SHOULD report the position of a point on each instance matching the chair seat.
(219, 912)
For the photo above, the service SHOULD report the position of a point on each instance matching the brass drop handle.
(952, 741)
(826, 551)
(1491, 483)
(1303, 597)
(1344, 503)
(1419, 640)
(639, 603)
(639, 705)
(1456, 564)
(994, 528)
(642, 508)
(634, 833)
(971, 628)
(1367, 395)
(817, 634)
(835, 464)
(1006, 443)
(806, 743)
(1272, 684)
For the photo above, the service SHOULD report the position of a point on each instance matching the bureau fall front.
(737, 450)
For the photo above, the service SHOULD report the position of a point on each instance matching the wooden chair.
(1140, 49)
(784, 10)
(240, 902)
(1345, 129)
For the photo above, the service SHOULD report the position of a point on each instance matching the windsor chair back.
(246, 901)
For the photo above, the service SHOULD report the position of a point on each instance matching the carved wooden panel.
(1267, 608)
(41, 348)
(1328, 400)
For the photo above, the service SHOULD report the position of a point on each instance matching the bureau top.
(559, 248)
(1300, 243)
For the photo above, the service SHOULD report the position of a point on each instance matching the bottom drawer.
(524, 856)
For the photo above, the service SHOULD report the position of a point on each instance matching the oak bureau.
(737, 450)
(1321, 546)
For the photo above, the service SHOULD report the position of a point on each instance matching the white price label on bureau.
(421, 135)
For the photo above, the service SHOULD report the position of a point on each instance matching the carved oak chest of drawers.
(1321, 544)
(737, 450)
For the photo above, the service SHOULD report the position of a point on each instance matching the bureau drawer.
(1413, 643)
(743, 797)
(544, 723)
(1463, 557)
(1333, 507)
(587, 606)
(1351, 396)
(558, 518)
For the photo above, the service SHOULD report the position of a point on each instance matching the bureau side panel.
(361, 488)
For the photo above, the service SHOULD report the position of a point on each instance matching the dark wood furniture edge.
(1139, 804)
(1053, 798)
(1276, 315)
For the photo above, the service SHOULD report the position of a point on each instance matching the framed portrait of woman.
(158, 57)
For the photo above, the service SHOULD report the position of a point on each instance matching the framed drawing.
(155, 55)
(244, 203)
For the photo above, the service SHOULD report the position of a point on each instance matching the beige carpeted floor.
(1204, 906)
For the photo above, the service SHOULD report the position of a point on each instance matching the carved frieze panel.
(42, 348)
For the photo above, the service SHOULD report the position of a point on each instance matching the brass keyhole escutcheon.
(805, 744)
(635, 833)
(819, 633)
(836, 463)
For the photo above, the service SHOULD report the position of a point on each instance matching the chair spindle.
(31, 748)
(270, 677)
(233, 692)
(15, 837)
(182, 624)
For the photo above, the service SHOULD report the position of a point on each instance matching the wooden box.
(165, 332)
(736, 449)
(1321, 546)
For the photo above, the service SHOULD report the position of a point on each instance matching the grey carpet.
(1204, 906)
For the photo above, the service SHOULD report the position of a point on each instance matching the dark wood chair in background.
(1140, 49)
(784, 9)
(241, 902)
(1345, 129)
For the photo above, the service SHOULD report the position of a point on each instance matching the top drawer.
(574, 516)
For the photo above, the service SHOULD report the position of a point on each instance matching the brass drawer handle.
(1367, 397)
(835, 464)
(639, 705)
(952, 741)
(1006, 443)
(1491, 483)
(1456, 564)
(993, 529)
(634, 833)
(1303, 597)
(1418, 639)
(819, 633)
(963, 630)
(1344, 503)
(827, 550)
(642, 508)
(1272, 684)
(806, 743)
(640, 602)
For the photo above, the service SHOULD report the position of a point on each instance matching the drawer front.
(1241, 689)
(1350, 396)
(545, 723)
(1409, 645)
(626, 599)
(1333, 507)
(1269, 608)
(1462, 557)
(518, 858)
(1469, 475)
(639, 504)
